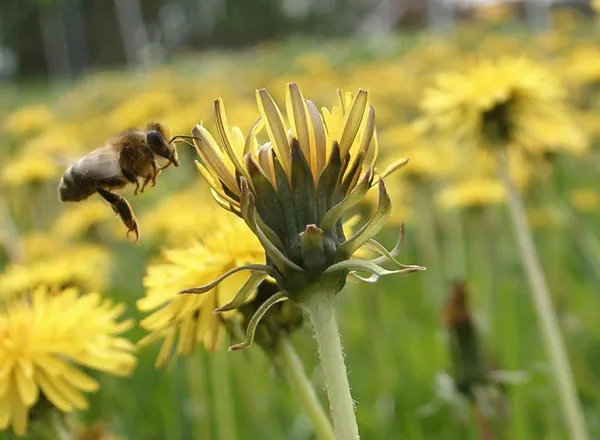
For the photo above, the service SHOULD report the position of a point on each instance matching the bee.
(125, 158)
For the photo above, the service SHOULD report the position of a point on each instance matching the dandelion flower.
(169, 222)
(28, 120)
(227, 243)
(471, 193)
(83, 266)
(44, 342)
(28, 168)
(585, 199)
(507, 101)
(292, 192)
(80, 218)
(138, 110)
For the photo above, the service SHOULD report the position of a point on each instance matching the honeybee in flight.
(125, 158)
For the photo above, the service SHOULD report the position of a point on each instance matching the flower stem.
(320, 306)
(561, 370)
(288, 361)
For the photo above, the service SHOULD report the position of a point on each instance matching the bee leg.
(146, 182)
(169, 163)
(123, 209)
(131, 177)
(155, 171)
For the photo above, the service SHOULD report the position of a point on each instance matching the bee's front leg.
(131, 177)
(123, 209)
(147, 180)
(155, 172)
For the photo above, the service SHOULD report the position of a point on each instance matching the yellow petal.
(275, 128)
(19, 412)
(80, 379)
(251, 144)
(223, 130)
(27, 388)
(352, 121)
(52, 392)
(71, 393)
(5, 410)
(214, 160)
(265, 160)
(297, 115)
(317, 140)
(165, 351)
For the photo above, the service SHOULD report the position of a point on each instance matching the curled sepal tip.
(394, 166)
(267, 270)
(249, 286)
(369, 230)
(355, 265)
(353, 199)
(254, 321)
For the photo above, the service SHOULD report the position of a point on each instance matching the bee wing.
(100, 165)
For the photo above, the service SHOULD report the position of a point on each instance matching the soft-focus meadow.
(448, 196)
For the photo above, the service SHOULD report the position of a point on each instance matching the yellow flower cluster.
(45, 341)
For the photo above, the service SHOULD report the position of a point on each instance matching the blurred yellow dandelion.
(585, 199)
(83, 266)
(38, 245)
(28, 120)
(225, 244)
(28, 168)
(472, 192)
(43, 342)
(80, 218)
(511, 100)
(169, 222)
(137, 110)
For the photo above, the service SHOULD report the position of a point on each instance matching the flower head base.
(293, 190)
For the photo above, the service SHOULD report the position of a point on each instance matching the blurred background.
(75, 72)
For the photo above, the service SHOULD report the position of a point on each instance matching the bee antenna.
(180, 136)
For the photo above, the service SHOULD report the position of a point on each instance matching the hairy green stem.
(290, 364)
(320, 306)
(561, 370)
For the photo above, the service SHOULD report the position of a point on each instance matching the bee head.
(157, 141)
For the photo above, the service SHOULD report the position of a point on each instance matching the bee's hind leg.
(123, 209)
